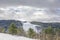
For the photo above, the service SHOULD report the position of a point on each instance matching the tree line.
(14, 30)
(48, 33)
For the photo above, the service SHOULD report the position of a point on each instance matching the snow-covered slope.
(11, 37)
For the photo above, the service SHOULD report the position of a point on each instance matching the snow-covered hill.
(12, 37)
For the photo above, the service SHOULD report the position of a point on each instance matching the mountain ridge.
(43, 24)
(6, 23)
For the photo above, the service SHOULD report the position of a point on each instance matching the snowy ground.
(11, 37)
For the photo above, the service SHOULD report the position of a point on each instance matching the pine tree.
(12, 29)
(49, 33)
(20, 32)
(31, 33)
(58, 34)
(2, 29)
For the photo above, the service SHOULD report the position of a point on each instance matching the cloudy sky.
(30, 10)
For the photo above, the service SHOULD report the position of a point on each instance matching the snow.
(28, 25)
(12, 37)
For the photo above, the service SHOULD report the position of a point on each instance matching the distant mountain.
(6, 23)
(44, 25)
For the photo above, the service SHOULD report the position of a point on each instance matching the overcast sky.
(30, 10)
(35, 3)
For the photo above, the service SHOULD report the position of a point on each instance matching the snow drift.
(12, 37)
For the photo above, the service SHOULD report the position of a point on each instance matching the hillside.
(12, 37)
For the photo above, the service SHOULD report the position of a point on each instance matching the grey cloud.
(53, 8)
(30, 14)
(35, 3)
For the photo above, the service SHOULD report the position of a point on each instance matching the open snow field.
(11, 37)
